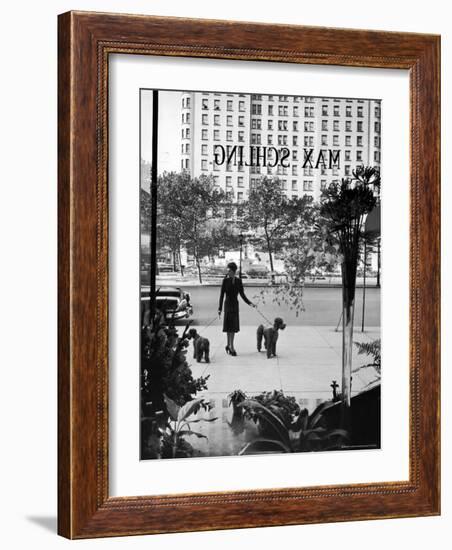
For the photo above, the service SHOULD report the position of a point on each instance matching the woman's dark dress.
(231, 288)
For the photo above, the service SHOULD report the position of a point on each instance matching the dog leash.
(208, 325)
(215, 318)
(263, 316)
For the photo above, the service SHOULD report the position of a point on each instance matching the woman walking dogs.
(232, 286)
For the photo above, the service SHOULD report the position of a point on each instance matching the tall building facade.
(300, 124)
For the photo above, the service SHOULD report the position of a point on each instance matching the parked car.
(258, 271)
(173, 302)
(163, 267)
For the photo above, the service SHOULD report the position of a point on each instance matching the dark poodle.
(270, 336)
(201, 346)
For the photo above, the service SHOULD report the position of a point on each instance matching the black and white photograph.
(260, 274)
(230, 224)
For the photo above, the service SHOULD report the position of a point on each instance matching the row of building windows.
(229, 135)
(309, 112)
(296, 99)
(283, 110)
(309, 126)
(217, 120)
(217, 105)
(186, 101)
(348, 111)
(284, 171)
(222, 93)
(282, 98)
(256, 139)
(283, 125)
(282, 139)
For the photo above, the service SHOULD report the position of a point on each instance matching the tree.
(269, 213)
(307, 249)
(187, 206)
(344, 206)
(217, 235)
(166, 225)
(145, 210)
(171, 231)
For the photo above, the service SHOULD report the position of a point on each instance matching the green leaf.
(203, 420)
(270, 417)
(318, 412)
(190, 408)
(173, 407)
(190, 432)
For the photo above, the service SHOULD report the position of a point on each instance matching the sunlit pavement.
(308, 360)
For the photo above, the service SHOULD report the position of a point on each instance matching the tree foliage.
(145, 210)
(215, 236)
(308, 249)
(343, 208)
(270, 214)
(188, 208)
(373, 349)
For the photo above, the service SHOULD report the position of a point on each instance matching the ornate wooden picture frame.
(86, 40)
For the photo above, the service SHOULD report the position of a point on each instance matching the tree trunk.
(348, 310)
(198, 265)
(379, 262)
(180, 262)
(364, 286)
(269, 248)
(174, 260)
(195, 250)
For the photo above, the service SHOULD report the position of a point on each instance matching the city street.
(322, 307)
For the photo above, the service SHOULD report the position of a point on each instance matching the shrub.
(164, 371)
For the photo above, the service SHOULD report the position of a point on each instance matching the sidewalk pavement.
(308, 359)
